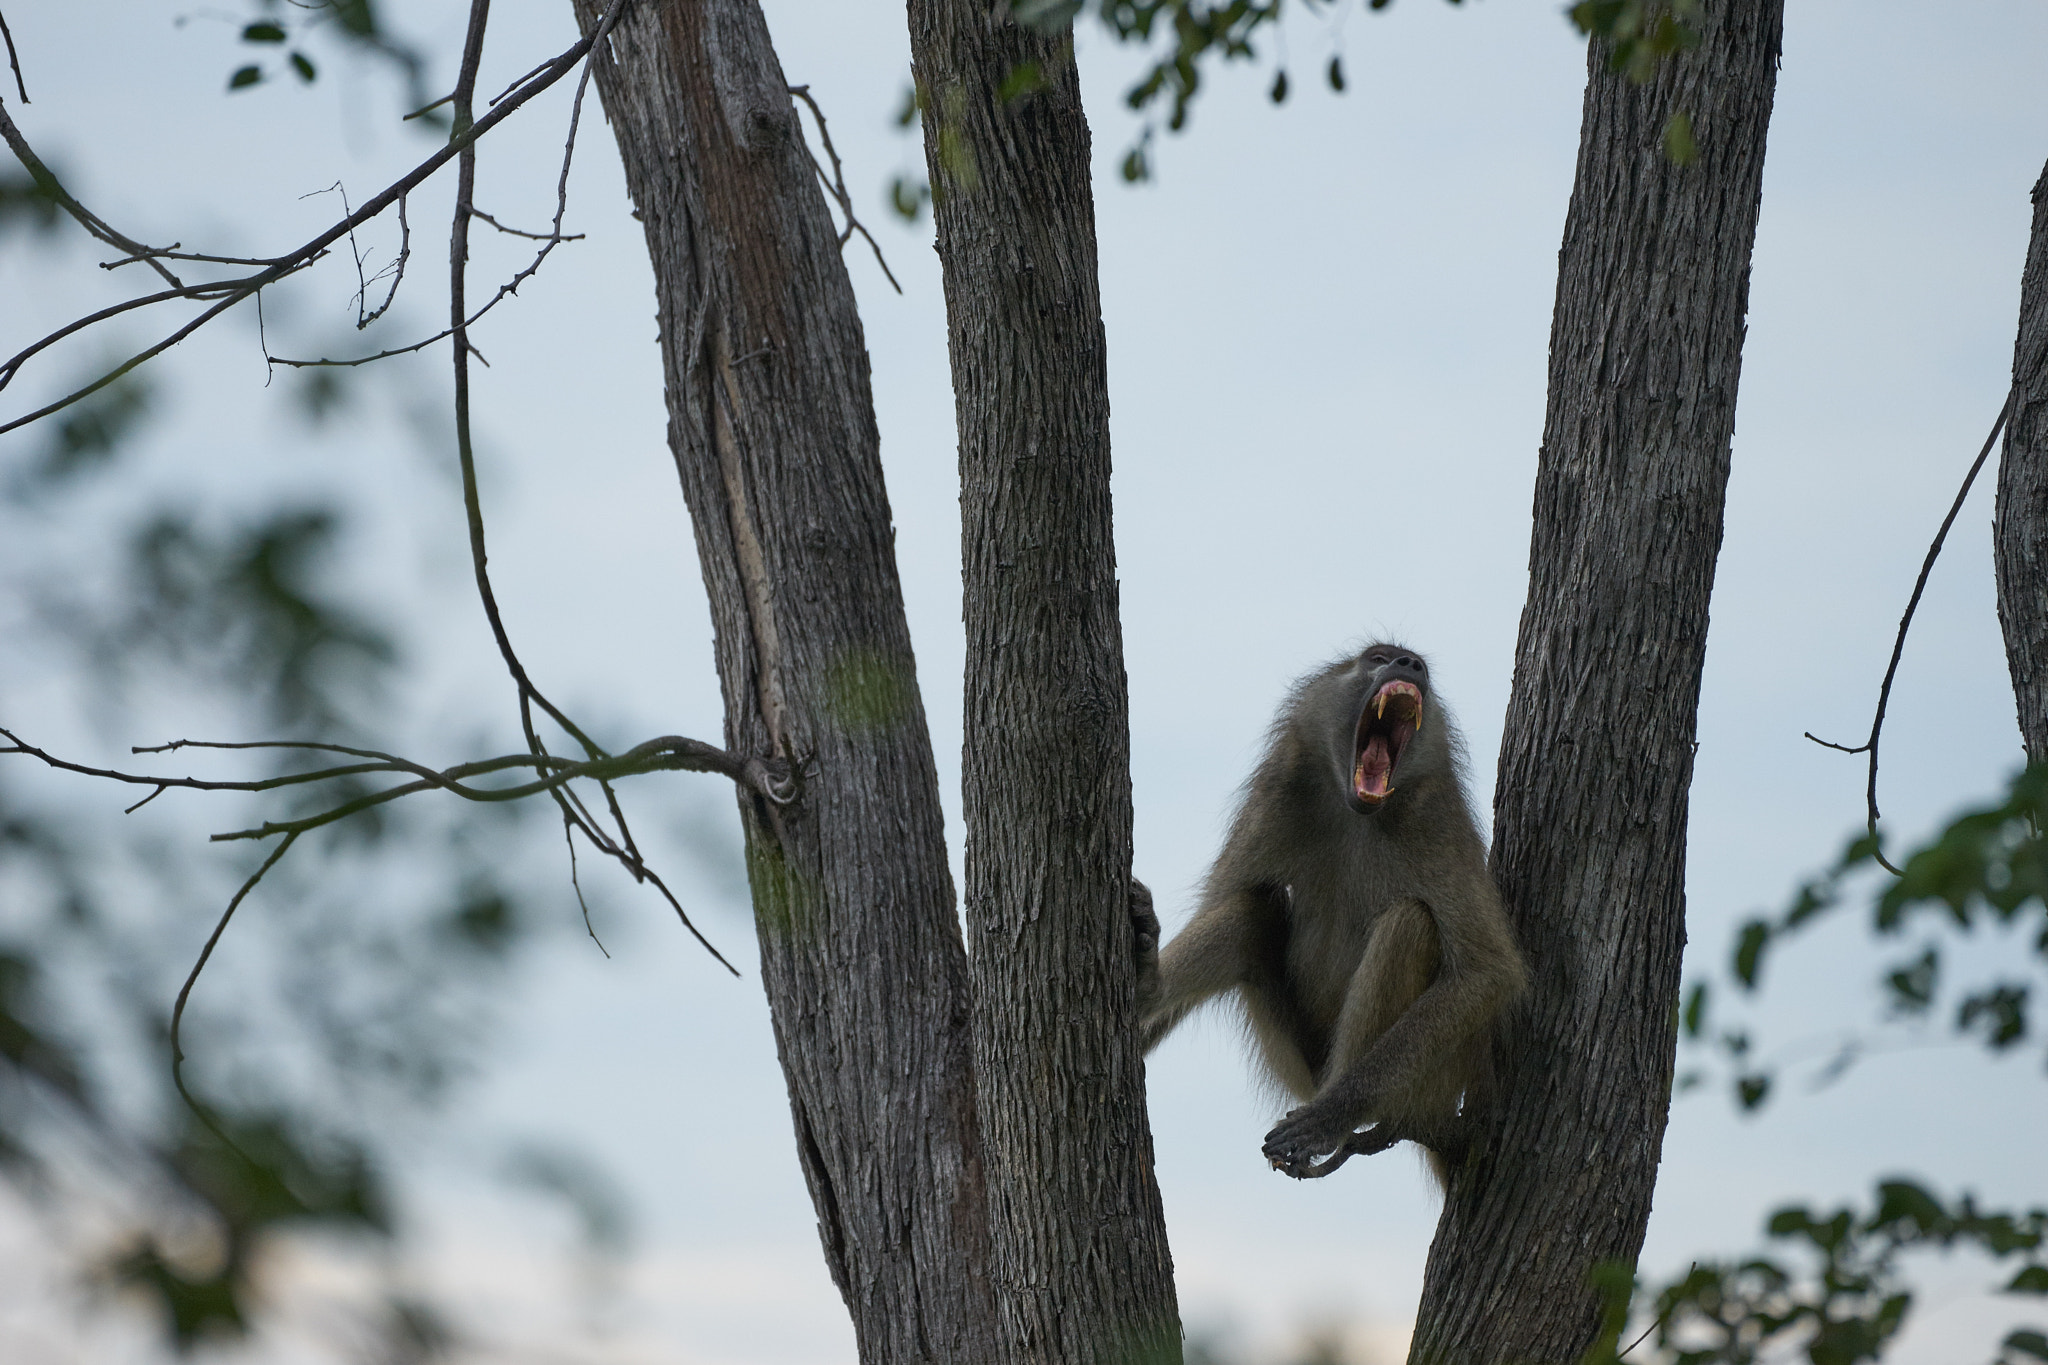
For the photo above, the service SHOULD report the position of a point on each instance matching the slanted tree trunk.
(772, 425)
(1081, 1268)
(2020, 530)
(1590, 811)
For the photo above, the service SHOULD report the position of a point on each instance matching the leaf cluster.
(244, 609)
(1988, 868)
(354, 23)
(1838, 1294)
(1640, 34)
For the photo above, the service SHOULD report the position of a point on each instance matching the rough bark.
(772, 427)
(1081, 1267)
(1590, 810)
(2020, 529)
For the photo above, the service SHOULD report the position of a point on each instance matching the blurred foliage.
(1640, 34)
(86, 434)
(280, 36)
(1988, 870)
(1847, 1295)
(25, 201)
(365, 992)
(1186, 37)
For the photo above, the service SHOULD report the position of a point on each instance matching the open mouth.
(1390, 719)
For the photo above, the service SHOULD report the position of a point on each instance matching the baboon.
(1352, 912)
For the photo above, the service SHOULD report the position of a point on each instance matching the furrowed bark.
(2020, 528)
(1081, 1267)
(1590, 809)
(772, 426)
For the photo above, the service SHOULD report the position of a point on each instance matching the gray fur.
(1365, 942)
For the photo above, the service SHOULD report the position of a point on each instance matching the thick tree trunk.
(772, 426)
(1590, 811)
(1081, 1269)
(2020, 530)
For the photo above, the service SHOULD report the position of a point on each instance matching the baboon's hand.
(1315, 1140)
(1145, 946)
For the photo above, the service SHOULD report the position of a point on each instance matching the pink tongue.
(1374, 767)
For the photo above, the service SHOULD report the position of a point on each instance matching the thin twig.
(835, 185)
(667, 753)
(576, 882)
(664, 753)
(495, 98)
(86, 218)
(13, 60)
(13, 364)
(396, 270)
(192, 978)
(1655, 1323)
(355, 250)
(509, 231)
(1884, 692)
(426, 109)
(245, 287)
(574, 814)
(549, 241)
(171, 253)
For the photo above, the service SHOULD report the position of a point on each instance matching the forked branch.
(239, 289)
(1884, 691)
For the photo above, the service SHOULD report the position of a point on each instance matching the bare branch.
(192, 979)
(476, 212)
(13, 59)
(1884, 692)
(239, 290)
(396, 270)
(86, 218)
(835, 185)
(664, 753)
(195, 291)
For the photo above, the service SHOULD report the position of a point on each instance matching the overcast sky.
(1327, 327)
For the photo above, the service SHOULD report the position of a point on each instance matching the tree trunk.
(1081, 1270)
(771, 422)
(2020, 530)
(1590, 810)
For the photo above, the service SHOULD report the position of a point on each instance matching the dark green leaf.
(1907, 1209)
(1749, 951)
(1279, 91)
(1912, 986)
(356, 17)
(908, 197)
(303, 64)
(2003, 1009)
(23, 197)
(263, 32)
(2026, 1342)
(1693, 1017)
(2032, 1280)
(1752, 1090)
(1337, 74)
(245, 77)
(913, 104)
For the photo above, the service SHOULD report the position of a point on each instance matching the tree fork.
(771, 422)
(1081, 1268)
(1590, 807)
